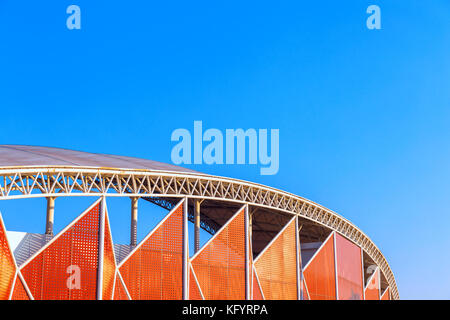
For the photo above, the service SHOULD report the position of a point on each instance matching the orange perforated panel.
(277, 266)
(154, 269)
(305, 291)
(194, 291)
(373, 287)
(385, 295)
(53, 273)
(319, 274)
(119, 290)
(109, 264)
(7, 265)
(349, 269)
(220, 264)
(19, 292)
(257, 295)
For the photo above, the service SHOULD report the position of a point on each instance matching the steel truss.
(56, 181)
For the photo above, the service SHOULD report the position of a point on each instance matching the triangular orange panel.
(109, 264)
(372, 291)
(385, 295)
(67, 267)
(7, 265)
(220, 264)
(153, 271)
(257, 295)
(119, 290)
(319, 273)
(277, 266)
(19, 292)
(194, 291)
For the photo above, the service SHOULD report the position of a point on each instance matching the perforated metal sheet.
(319, 274)
(154, 269)
(257, 294)
(372, 291)
(19, 292)
(349, 269)
(194, 290)
(220, 265)
(386, 295)
(7, 265)
(277, 266)
(109, 263)
(46, 274)
(119, 290)
(305, 291)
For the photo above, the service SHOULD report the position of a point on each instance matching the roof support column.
(134, 217)
(50, 216)
(101, 248)
(197, 225)
(185, 275)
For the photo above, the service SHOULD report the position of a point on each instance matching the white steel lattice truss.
(56, 181)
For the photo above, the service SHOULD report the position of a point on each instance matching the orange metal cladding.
(319, 273)
(305, 291)
(154, 269)
(220, 265)
(257, 295)
(385, 295)
(47, 274)
(349, 269)
(19, 292)
(277, 266)
(119, 290)
(194, 291)
(7, 265)
(372, 289)
(109, 264)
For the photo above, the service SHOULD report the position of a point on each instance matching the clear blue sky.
(364, 115)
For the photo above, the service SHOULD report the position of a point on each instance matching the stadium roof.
(23, 156)
(30, 171)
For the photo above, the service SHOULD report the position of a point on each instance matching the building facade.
(265, 243)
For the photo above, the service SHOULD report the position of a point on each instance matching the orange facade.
(7, 265)
(372, 291)
(109, 263)
(257, 293)
(276, 266)
(385, 295)
(153, 271)
(319, 273)
(220, 264)
(19, 292)
(194, 289)
(349, 269)
(119, 289)
(154, 268)
(66, 268)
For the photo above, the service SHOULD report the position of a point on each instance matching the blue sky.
(363, 114)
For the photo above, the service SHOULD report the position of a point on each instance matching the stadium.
(265, 244)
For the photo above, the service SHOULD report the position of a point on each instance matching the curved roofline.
(19, 156)
(62, 180)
